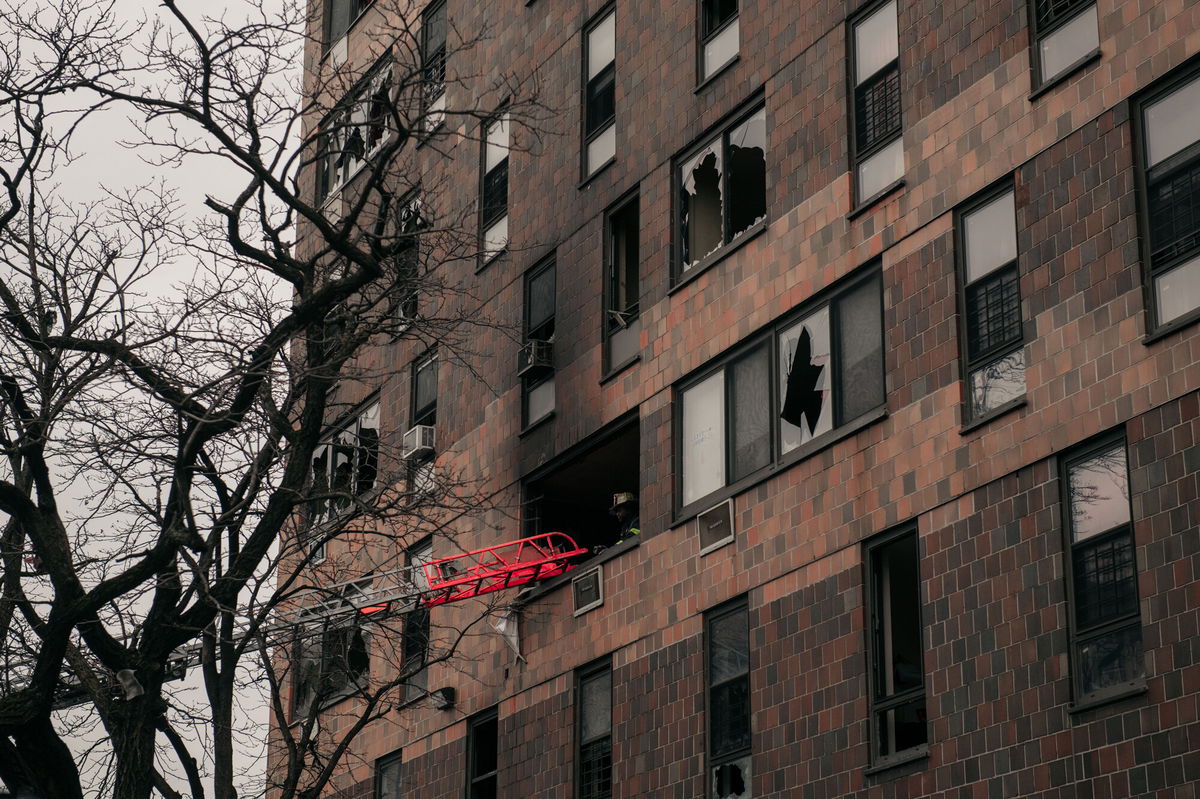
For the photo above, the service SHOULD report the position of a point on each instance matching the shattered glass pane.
(804, 362)
(732, 780)
(343, 469)
(751, 414)
(860, 350)
(748, 173)
(1000, 381)
(1099, 493)
(368, 449)
(702, 207)
(703, 438)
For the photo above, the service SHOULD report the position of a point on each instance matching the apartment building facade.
(887, 314)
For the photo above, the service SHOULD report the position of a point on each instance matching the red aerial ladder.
(509, 565)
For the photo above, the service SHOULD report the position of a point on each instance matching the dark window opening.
(723, 189)
(433, 51)
(483, 756)
(622, 330)
(728, 673)
(877, 108)
(345, 465)
(332, 662)
(897, 663)
(594, 701)
(577, 497)
(354, 129)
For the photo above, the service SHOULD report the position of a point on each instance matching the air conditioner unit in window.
(418, 441)
(587, 590)
(536, 357)
(715, 526)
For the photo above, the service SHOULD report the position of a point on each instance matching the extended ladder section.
(509, 565)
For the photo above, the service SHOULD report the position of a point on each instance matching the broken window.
(1066, 33)
(388, 780)
(332, 661)
(483, 755)
(878, 143)
(719, 35)
(536, 360)
(354, 130)
(898, 716)
(339, 16)
(433, 59)
(991, 302)
(493, 216)
(1106, 630)
(622, 329)
(728, 426)
(575, 496)
(600, 93)
(594, 701)
(1170, 171)
(728, 671)
(723, 189)
(414, 644)
(345, 465)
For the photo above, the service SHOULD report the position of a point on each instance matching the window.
(1170, 175)
(434, 26)
(424, 395)
(353, 131)
(400, 223)
(1106, 630)
(414, 644)
(718, 35)
(594, 699)
(537, 356)
(600, 93)
(622, 330)
(898, 716)
(814, 372)
(494, 213)
(345, 465)
(424, 412)
(878, 143)
(332, 654)
(388, 784)
(482, 756)
(728, 674)
(339, 16)
(991, 303)
(1065, 34)
(722, 189)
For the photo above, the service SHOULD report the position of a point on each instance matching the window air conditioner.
(587, 590)
(418, 441)
(536, 357)
(715, 526)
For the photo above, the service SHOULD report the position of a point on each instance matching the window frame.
(858, 158)
(768, 336)
(1081, 453)
(340, 118)
(529, 384)
(348, 422)
(1186, 74)
(489, 716)
(681, 274)
(416, 683)
(421, 414)
(876, 705)
(392, 759)
(702, 40)
(739, 605)
(969, 365)
(1036, 35)
(631, 202)
(356, 7)
(488, 223)
(428, 99)
(602, 127)
(584, 675)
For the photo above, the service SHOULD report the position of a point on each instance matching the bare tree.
(189, 447)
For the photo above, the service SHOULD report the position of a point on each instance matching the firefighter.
(625, 508)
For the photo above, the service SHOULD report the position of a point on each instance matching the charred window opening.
(345, 465)
(719, 35)
(728, 671)
(354, 130)
(723, 189)
(1106, 628)
(1170, 165)
(536, 359)
(576, 498)
(332, 655)
(991, 303)
(622, 329)
(897, 663)
(483, 749)
(594, 703)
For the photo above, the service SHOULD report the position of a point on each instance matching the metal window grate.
(1105, 583)
(1051, 12)
(1175, 214)
(877, 108)
(993, 312)
(595, 769)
